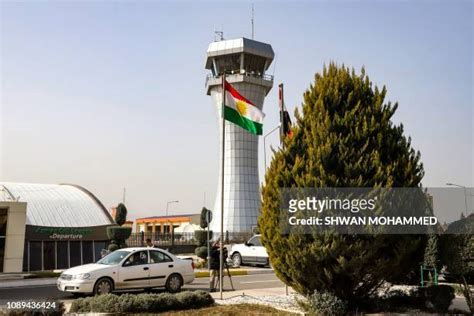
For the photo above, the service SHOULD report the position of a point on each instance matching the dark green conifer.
(343, 137)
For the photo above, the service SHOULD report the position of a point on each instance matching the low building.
(129, 224)
(50, 226)
(165, 224)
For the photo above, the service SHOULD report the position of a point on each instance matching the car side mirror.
(127, 263)
(248, 244)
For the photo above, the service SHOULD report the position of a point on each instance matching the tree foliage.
(457, 253)
(121, 214)
(200, 237)
(431, 258)
(118, 235)
(344, 137)
(203, 221)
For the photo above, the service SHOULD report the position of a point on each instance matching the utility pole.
(465, 194)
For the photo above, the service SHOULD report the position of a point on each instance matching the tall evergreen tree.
(431, 258)
(344, 137)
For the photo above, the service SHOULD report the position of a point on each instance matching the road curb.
(266, 271)
(5, 284)
(27, 283)
(204, 274)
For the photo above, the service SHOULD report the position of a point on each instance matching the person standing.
(149, 244)
(214, 262)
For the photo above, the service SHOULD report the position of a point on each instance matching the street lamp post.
(265, 147)
(265, 162)
(465, 192)
(170, 231)
(167, 205)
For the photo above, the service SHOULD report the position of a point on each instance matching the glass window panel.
(87, 252)
(137, 258)
(2, 252)
(257, 242)
(75, 253)
(49, 255)
(3, 222)
(228, 63)
(62, 255)
(159, 257)
(25, 257)
(35, 256)
(99, 246)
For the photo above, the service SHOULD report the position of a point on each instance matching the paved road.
(243, 282)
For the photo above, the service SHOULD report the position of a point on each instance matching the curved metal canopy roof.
(57, 205)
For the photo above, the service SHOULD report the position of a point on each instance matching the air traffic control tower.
(244, 61)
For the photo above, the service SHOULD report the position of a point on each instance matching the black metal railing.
(160, 239)
(237, 72)
(170, 240)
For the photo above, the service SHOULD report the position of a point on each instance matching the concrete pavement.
(8, 284)
(247, 284)
(264, 288)
(16, 281)
(40, 291)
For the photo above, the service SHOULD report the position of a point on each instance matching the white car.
(251, 252)
(128, 268)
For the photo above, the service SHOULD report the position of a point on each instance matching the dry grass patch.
(232, 310)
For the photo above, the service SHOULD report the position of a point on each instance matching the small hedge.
(201, 252)
(140, 303)
(200, 237)
(118, 232)
(432, 299)
(323, 303)
(439, 296)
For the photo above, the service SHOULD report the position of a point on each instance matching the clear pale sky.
(111, 94)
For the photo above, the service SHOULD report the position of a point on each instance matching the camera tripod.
(226, 267)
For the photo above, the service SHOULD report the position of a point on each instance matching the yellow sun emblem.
(241, 107)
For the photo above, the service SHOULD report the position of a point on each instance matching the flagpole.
(281, 105)
(221, 259)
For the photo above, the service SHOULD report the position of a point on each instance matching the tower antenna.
(253, 24)
(219, 35)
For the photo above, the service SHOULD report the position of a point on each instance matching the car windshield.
(255, 241)
(114, 258)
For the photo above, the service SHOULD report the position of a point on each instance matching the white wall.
(15, 238)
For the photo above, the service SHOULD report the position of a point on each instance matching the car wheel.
(103, 286)
(174, 283)
(236, 259)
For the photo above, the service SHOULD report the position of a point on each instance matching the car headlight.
(83, 276)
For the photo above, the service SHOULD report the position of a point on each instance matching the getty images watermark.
(374, 211)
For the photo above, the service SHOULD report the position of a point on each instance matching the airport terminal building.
(50, 226)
